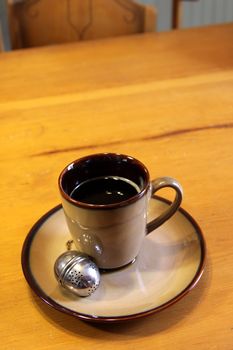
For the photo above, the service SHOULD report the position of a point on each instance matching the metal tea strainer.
(76, 272)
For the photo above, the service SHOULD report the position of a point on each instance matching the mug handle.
(157, 184)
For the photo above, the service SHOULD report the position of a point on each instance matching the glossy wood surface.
(166, 99)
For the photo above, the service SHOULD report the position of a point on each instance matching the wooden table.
(166, 99)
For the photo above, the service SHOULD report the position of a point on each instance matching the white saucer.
(170, 263)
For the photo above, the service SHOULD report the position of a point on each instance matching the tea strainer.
(76, 272)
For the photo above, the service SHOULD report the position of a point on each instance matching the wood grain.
(163, 98)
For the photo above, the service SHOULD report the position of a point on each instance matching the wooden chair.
(177, 12)
(45, 22)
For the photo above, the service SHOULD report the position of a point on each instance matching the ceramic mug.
(105, 200)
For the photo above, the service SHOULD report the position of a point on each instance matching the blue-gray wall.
(204, 12)
(4, 33)
(194, 13)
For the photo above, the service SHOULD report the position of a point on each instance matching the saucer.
(169, 265)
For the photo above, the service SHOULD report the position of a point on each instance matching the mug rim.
(126, 202)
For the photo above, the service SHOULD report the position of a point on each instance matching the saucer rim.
(25, 263)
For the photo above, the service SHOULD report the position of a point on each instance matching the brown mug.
(105, 200)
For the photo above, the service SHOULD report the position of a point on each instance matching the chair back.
(45, 22)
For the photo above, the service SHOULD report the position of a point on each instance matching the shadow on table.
(143, 327)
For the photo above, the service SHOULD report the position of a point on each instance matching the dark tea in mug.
(105, 190)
